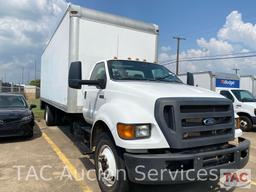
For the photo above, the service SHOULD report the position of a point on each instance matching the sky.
(212, 27)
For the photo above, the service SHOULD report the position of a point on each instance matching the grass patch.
(39, 114)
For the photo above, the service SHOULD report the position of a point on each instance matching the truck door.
(229, 96)
(94, 96)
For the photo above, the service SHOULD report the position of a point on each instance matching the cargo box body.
(248, 83)
(214, 81)
(90, 36)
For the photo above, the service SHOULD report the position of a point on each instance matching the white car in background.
(244, 106)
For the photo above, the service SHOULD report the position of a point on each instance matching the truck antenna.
(117, 46)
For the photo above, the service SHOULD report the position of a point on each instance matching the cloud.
(25, 26)
(236, 30)
(166, 48)
(235, 36)
(215, 46)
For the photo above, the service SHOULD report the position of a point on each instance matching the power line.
(211, 59)
(211, 56)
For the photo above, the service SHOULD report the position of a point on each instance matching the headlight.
(27, 118)
(237, 123)
(133, 131)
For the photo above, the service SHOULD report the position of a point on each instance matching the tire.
(49, 116)
(105, 145)
(245, 123)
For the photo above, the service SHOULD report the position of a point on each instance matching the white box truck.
(135, 116)
(248, 83)
(213, 80)
(235, 89)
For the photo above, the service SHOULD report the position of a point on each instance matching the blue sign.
(227, 83)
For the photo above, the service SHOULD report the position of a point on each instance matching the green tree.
(35, 82)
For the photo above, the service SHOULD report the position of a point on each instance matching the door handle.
(85, 94)
(101, 96)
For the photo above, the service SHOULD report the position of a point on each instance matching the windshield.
(12, 101)
(140, 71)
(244, 96)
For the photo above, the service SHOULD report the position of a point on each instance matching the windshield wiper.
(162, 78)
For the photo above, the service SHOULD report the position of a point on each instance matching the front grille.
(10, 121)
(200, 134)
(192, 122)
(203, 108)
(169, 116)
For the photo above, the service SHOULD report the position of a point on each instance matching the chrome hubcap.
(46, 115)
(243, 124)
(107, 166)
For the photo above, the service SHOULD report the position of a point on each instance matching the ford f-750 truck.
(135, 115)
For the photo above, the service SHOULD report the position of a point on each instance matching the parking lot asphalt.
(51, 161)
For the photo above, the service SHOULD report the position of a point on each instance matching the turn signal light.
(133, 131)
(126, 131)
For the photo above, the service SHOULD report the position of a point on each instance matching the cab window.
(228, 95)
(99, 72)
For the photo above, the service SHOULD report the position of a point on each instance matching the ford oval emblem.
(209, 121)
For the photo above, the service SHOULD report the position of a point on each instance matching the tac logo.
(230, 178)
(227, 82)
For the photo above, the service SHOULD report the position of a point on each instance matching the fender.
(127, 112)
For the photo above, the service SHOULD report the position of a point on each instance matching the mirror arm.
(89, 82)
(99, 83)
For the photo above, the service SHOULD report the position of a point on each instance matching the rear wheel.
(49, 116)
(245, 123)
(110, 167)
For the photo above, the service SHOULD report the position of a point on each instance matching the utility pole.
(236, 70)
(22, 75)
(28, 77)
(5, 77)
(178, 52)
(35, 69)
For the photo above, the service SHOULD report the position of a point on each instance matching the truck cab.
(244, 106)
(143, 117)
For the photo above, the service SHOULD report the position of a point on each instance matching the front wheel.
(245, 123)
(110, 167)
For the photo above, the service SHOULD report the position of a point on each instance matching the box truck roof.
(112, 19)
(251, 76)
(217, 75)
(90, 14)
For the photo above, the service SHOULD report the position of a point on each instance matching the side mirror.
(32, 106)
(190, 79)
(75, 75)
